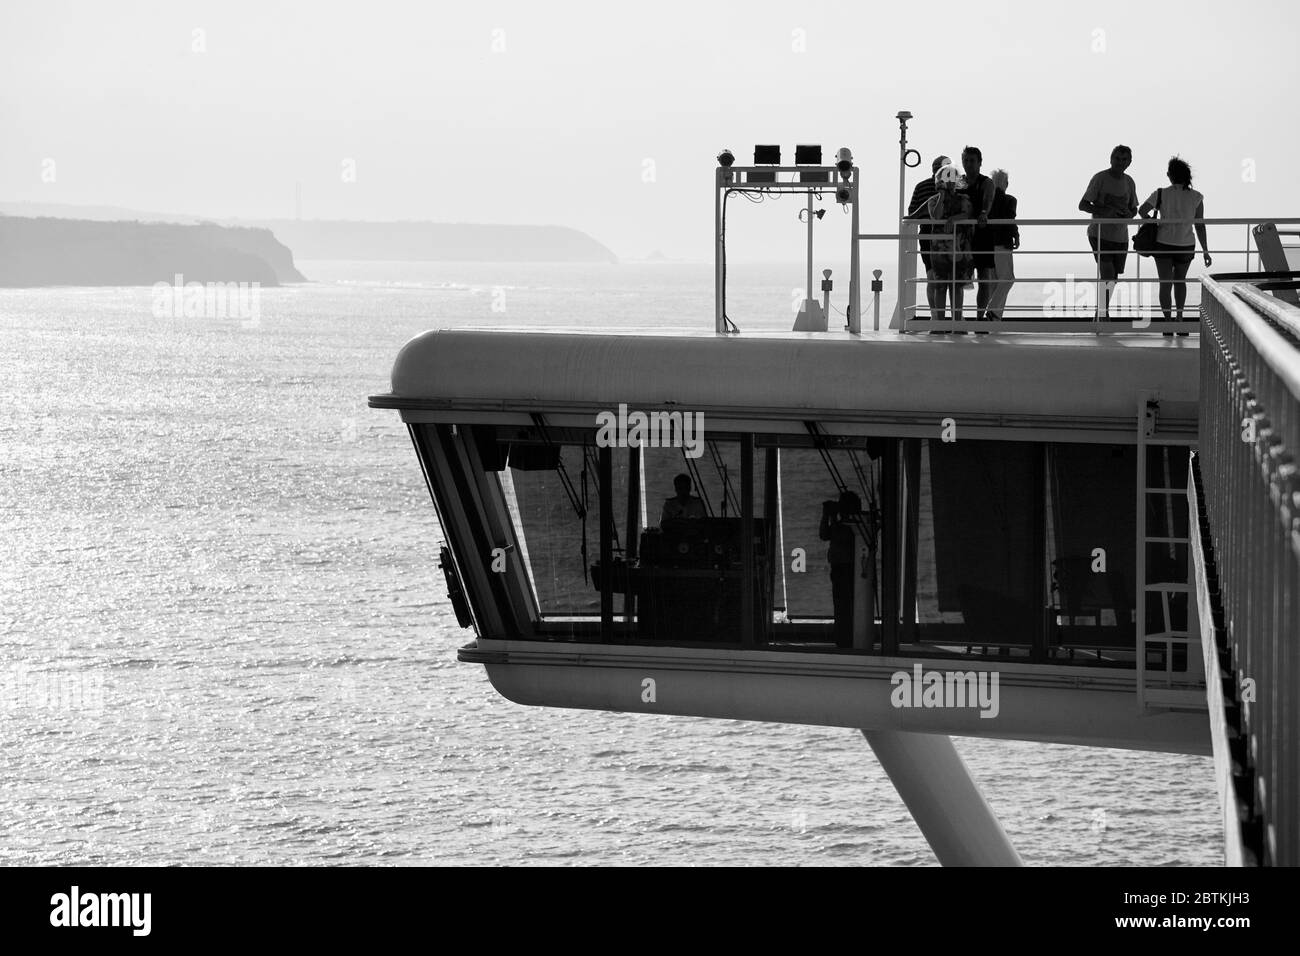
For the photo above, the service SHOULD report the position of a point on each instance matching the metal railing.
(1250, 486)
(906, 281)
(1133, 299)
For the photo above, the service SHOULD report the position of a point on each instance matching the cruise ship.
(1064, 529)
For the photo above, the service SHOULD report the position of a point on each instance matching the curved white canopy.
(1043, 375)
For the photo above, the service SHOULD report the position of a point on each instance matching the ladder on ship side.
(1166, 625)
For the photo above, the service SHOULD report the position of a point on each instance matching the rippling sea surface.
(225, 639)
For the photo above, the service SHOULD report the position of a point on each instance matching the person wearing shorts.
(1111, 194)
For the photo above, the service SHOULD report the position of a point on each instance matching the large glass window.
(688, 579)
(552, 483)
(1093, 549)
(983, 569)
(1027, 548)
(557, 543)
(898, 545)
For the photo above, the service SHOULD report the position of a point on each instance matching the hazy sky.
(607, 116)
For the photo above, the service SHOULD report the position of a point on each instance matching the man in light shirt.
(1111, 194)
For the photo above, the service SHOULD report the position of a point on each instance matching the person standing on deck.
(1175, 247)
(979, 188)
(1111, 194)
(837, 524)
(950, 246)
(918, 208)
(1005, 239)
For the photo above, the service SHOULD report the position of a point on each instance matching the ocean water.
(224, 638)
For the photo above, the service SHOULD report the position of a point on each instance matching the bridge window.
(686, 581)
(1093, 549)
(1011, 549)
(981, 578)
(552, 483)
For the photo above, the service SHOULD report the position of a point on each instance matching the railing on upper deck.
(1135, 296)
(1249, 486)
(1070, 302)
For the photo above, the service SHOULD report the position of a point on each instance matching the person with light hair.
(1006, 238)
(919, 208)
(950, 245)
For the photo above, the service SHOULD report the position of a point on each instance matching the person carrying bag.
(1144, 243)
(1175, 237)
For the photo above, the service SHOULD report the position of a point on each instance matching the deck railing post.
(905, 304)
(605, 466)
(748, 619)
(855, 277)
(718, 248)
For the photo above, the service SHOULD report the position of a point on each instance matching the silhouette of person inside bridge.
(683, 504)
(837, 527)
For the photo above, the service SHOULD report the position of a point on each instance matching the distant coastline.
(410, 241)
(436, 241)
(49, 251)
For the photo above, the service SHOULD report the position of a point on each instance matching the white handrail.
(1134, 221)
(907, 307)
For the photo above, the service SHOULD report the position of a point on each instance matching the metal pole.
(605, 471)
(1138, 312)
(942, 797)
(717, 249)
(771, 554)
(747, 617)
(808, 289)
(876, 287)
(1140, 611)
(903, 117)
(780, 538)
(633, 526)
(855, 284)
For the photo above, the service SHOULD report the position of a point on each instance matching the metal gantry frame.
(737, 179)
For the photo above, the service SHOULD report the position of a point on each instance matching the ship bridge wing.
(872, 378)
